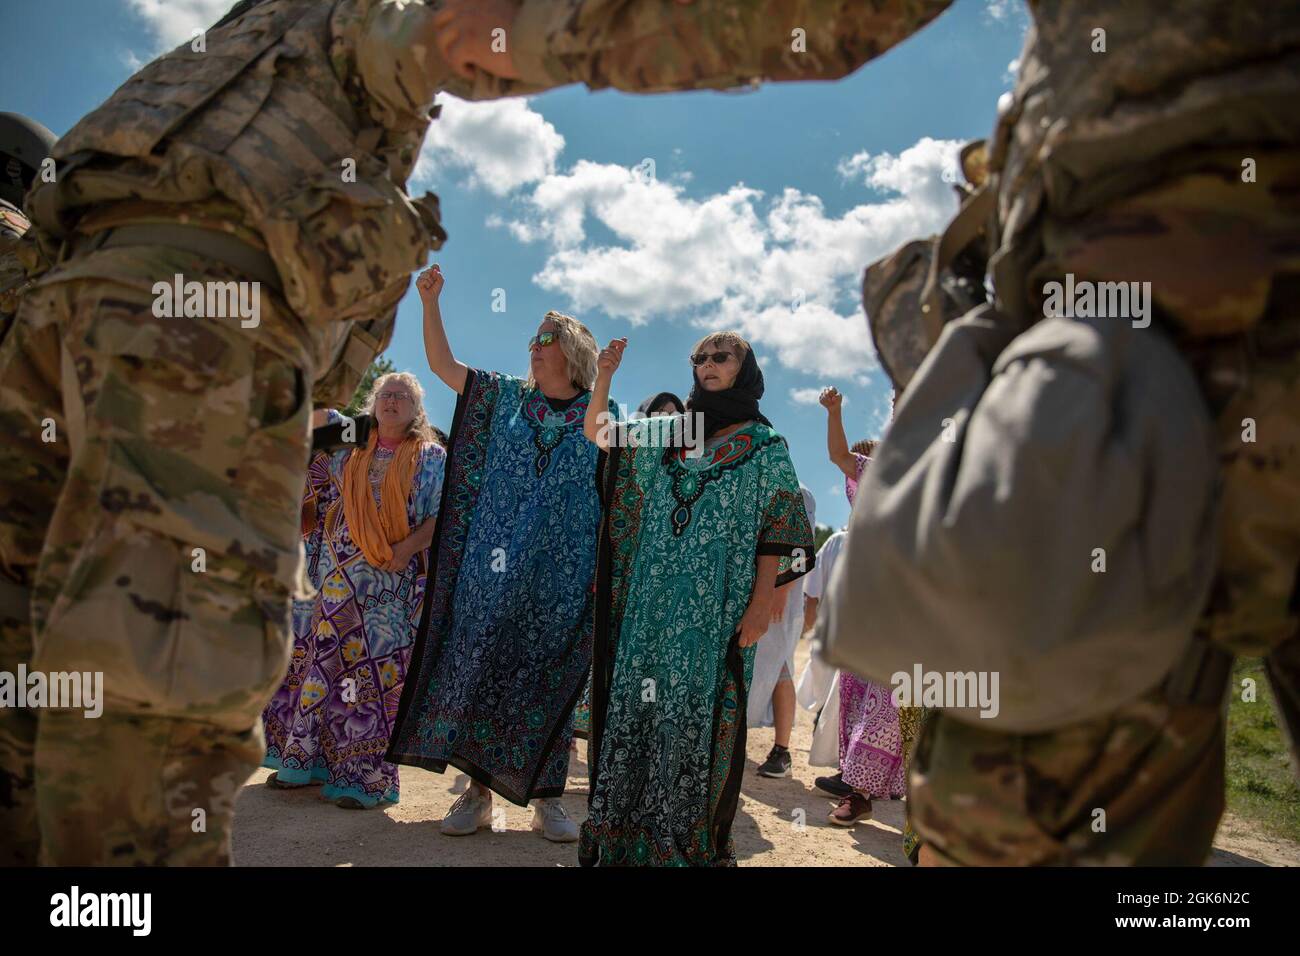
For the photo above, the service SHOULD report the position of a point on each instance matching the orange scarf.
(376, 529)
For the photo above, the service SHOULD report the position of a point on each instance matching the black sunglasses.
(719, 358)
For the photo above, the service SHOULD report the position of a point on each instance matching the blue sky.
(763, 208)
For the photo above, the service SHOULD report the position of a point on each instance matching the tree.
(380, 366)
(820, 534)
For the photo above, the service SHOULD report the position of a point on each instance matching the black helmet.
(24, 143)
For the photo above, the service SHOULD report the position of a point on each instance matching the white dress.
(777, 645)
(818, 689)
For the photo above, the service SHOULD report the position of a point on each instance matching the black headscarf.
(731, 405)
(660, 401)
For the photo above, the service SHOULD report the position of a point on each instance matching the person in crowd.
(819, 684)
(771, 693)
(368, 517)
(665, 403)
(871, 738)
(505, 640)
(662, 404)
(694, 546)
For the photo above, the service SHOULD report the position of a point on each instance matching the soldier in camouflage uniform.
(1172, 157)
(153, 466)
(24, 144)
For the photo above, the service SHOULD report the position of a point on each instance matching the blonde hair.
(419, 426)
(866, 446)
(727, 339)
(579, 348)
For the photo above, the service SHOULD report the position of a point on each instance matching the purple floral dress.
(871, 740)
(331, 719)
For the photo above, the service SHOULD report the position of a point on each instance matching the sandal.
(275, 783)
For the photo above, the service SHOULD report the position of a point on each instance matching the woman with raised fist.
(505, 641)
(694, 544)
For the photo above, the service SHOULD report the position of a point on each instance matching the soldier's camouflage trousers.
(152, 469)
(1145, 785)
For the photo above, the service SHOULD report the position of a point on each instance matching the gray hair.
(419, 426)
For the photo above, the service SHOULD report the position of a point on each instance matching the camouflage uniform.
(1123, 165)
(24, 147)
(23, 144)
(278, 154)
(13, 271)
(17, 725)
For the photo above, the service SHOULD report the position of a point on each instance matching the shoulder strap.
(961, 232)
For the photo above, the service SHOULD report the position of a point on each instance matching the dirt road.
(779, 823)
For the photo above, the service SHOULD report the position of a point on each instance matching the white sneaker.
(470, 813)
(552, 819)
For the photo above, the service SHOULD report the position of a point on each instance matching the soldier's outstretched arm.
(659, 45)
(399, 59)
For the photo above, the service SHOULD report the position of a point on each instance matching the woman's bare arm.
(757, 617)
(436, 347)
(596, 423)
(837, 444)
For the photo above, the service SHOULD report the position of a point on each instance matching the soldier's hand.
(610, 356)
(831, 398)
(465, 36)
(429, 284)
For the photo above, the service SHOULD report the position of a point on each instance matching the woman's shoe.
(275, 783)
(852, 809)
(470, 813)
(835, 786)
(550, 817)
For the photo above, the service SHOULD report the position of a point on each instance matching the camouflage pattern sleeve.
(656, 45)
(399, 63)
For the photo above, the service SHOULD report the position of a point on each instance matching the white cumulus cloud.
(173, 22)
(808, 396)
(501, 144)
(779, 269)
(1000, 9)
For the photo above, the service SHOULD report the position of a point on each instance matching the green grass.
(1261, 785)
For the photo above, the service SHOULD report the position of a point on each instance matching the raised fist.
(831, 398)
(429, 284)
(610, 356)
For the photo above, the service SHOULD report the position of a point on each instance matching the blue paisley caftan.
(505, 641)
